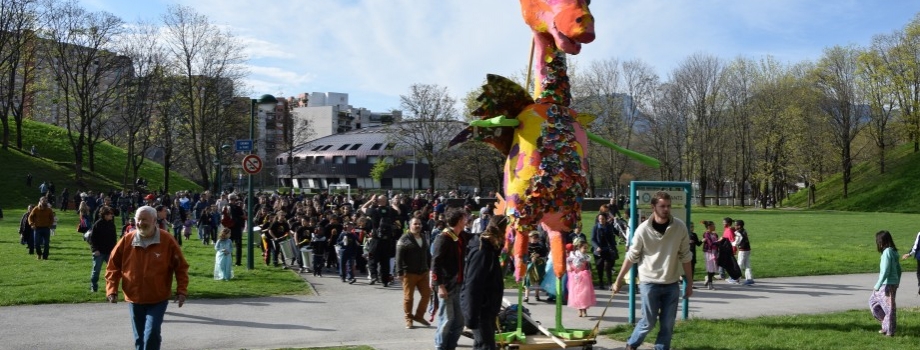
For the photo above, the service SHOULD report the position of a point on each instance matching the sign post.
(243, 145)
(641, 194)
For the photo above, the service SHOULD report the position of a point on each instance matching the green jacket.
(889, 268)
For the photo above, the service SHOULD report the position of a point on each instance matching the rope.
(599, 319)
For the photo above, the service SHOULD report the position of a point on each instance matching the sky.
(374, 50)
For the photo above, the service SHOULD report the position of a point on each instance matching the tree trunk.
(6, 132)
(91, 147)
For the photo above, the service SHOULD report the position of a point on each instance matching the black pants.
(379, 267)
(484, 337)
(236, 235)
(604, 263)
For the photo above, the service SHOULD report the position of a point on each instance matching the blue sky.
(375, 49)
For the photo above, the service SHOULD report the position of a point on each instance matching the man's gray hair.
(145, 209)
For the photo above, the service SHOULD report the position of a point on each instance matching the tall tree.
(17, 63)
(905, 69)
(875, 78)
(667, 131)
(137, 107)
(85, 67)
(430, 121)
(739, 91)
(699, 77)
(209, 60)
(835, 79)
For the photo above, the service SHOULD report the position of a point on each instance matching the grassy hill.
(895, 191)
(55, 163)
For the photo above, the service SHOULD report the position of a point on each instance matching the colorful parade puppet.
(544, 140)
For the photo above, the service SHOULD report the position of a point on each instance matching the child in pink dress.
(581, 285)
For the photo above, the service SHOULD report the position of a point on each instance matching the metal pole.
(249, 194)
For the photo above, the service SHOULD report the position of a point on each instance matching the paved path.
(343, 314)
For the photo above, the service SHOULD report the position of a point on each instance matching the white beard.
(148, 232)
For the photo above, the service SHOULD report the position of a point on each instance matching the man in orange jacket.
(145, 261)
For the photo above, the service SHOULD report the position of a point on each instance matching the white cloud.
(375, 49)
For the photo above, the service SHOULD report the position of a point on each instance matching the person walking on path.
(580, 283)
(143, 263)
(743, 243)
(26, 234)
(604, 240)
(482, 291)
(728, 233)
(882, 302)
(663, 246)
(710, 253)
(412, 263)
(447, 263)
(101, 243)
(915, 252)
(40, 220)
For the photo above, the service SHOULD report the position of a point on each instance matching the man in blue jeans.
(662, 245)
(447, 278)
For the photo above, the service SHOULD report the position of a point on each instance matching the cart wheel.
(588, 347)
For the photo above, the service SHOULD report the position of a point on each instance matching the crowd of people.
(451, 258)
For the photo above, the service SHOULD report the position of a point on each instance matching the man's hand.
(112, 298)
(616, 287)
(180, 299)
(95, 253)
(689, 291)
(905, 256)
(442, 291)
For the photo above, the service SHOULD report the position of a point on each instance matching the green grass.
(800, 242)
(56, 164)
(64, 278)
(870, 190)
(855, 329)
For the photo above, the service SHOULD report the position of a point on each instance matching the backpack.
(507, 319)
(226, 220)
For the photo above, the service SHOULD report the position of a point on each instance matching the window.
(355, 147)
(296, 160)
(390, 146)
(351, 160)
(320, 160)
(344, 147)
(373, 159)
(316, 148)
(326, 148)
(376, 146)
(337, 160)
(308, 160)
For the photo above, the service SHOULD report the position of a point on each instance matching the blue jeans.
(97, 265)
(659, 303)
(146, 320)
(346, 266)
(42, 238)
(450, 321)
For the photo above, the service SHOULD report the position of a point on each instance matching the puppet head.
(567, 23)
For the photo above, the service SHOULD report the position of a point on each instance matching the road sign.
(243, 145)
(644, 197)
(252, 164)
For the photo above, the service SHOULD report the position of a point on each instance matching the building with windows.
(349, 157)
(329, 113)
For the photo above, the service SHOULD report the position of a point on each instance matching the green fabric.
(889, 269)
(498, 121)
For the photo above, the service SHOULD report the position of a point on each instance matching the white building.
(329, 113)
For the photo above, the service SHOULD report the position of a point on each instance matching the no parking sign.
(252, 164)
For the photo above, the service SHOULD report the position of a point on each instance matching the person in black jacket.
(101, 242)
(604, 240)
(383, 217)
(412, 262)
(481, 296)
(447, 261)
(26, 236)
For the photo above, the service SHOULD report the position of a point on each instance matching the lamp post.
(265, 100)
(219, 165)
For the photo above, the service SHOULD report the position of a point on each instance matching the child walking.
(882, 302)
(536, 265)
(711, 253)
(223, 260)
(581, 285)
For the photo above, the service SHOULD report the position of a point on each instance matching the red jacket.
(146, 274)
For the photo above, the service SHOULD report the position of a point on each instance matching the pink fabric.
(580, 283)
(884, 309)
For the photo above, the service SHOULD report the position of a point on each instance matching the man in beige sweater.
(661, 246)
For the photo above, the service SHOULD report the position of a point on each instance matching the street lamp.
(265, 101)
(219, 165)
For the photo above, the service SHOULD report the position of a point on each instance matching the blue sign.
(243, 145)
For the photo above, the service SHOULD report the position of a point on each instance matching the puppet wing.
(500, 96)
